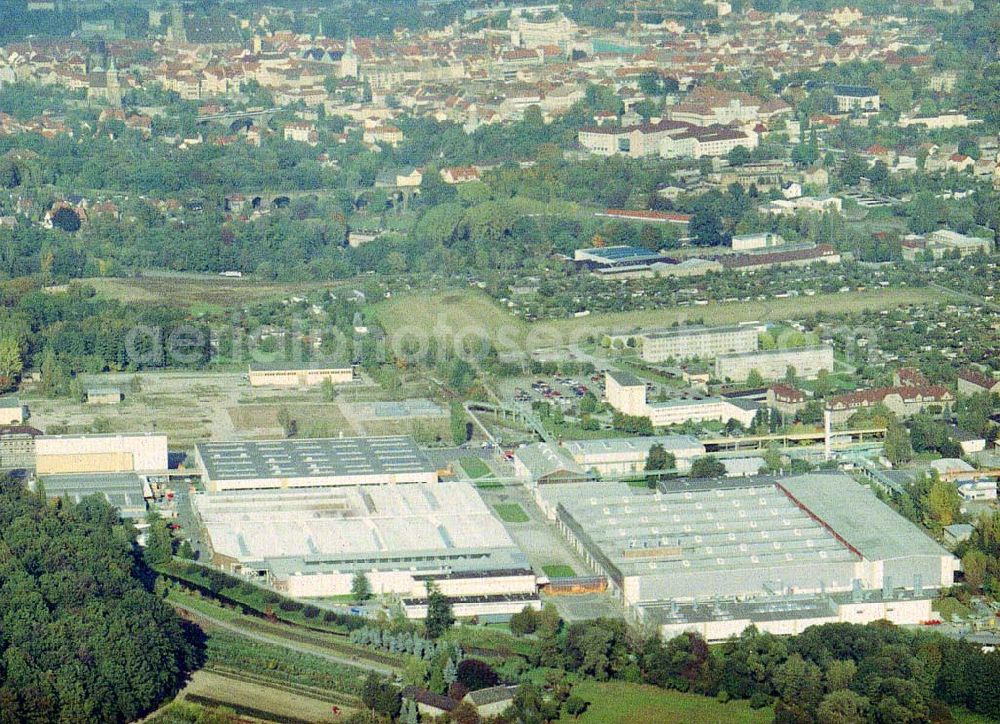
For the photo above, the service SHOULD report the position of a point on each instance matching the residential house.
(460, 174)
(301, 131)
(428, 703)
(971, 382)
(851, 98)
(903, 401)
(491, 701)
(786, 400)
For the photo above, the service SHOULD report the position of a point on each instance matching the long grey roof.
(542, 459)
(724, 529)
(122, 490)
(241, 460)
(632, 444)
(859, 517)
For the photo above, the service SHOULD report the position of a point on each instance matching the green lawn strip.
(482, 641)
(558, 570)
(266, 679)
(475, 468)
(625, 703)
(329, 642)
(203, 606)
(511, 513)
(229, 589)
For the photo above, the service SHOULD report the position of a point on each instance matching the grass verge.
(511, 513)
(558, 570)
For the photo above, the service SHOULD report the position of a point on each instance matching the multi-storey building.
(703, 342)
(903, 401)
(773, 364)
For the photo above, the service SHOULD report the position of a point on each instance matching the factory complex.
(693, 538)
(705, 546)
(312, 542)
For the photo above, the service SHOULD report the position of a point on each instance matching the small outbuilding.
(104, 395)
(11, 411)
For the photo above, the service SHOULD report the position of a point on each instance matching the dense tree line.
(65, 332)
(829, 673)
(81, 638)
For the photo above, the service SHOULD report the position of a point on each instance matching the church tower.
(114, 88)
(349, 61)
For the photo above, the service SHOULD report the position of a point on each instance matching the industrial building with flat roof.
(311, 543)
(125, 491)
(785, 615)
(285, 375)
(773, 364)
(813, 534)
(627, 455)
(323, 462)
(114, 453)
(17, 447)
(697, 341)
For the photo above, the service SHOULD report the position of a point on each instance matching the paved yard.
(544, 546)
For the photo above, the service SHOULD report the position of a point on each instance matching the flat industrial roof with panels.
(710, 530)
(808, 533)
(327, 461)
(374, 523)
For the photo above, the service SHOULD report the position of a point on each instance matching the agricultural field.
(198, 293)
(622, 703)
(467, 317)
(219, 689)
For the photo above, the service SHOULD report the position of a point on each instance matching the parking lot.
(563, 391)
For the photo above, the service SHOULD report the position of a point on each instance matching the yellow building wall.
(110, 462)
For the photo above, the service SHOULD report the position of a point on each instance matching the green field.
(473, 316)
(475, 468)
(557, 570)
(198, 293)
(964, 716)
(511, 513)
(620, 702)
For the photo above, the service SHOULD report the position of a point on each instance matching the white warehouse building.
(312, 542)
(113, 453)
(625, 456)
(695, 553)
